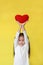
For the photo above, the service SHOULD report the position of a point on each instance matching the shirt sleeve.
(26, 40)
(16, 39)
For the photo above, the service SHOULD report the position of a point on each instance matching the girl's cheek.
(19, 42)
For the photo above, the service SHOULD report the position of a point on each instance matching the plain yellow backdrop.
(9, 27)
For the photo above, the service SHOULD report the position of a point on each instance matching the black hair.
(21, 34)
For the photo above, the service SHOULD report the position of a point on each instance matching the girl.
(21, 48)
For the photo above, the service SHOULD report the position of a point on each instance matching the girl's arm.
(25, 37)
(15, 42)
(27, 42)
(16, 38)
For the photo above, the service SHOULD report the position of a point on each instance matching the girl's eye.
(19, 40)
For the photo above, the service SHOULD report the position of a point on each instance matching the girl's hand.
(21, 26)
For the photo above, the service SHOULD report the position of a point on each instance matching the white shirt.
(21, 53)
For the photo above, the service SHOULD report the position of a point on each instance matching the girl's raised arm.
(16, 38)
(25, 37)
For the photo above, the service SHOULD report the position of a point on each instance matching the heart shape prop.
(21, 18)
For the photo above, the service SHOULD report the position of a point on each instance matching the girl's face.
(21, 41)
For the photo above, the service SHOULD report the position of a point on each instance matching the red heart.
(21, 19)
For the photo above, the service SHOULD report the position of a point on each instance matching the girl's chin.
(21, 45)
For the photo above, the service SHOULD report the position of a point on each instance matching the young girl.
(21, 48)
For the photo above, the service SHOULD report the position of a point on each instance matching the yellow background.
(9, 27)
